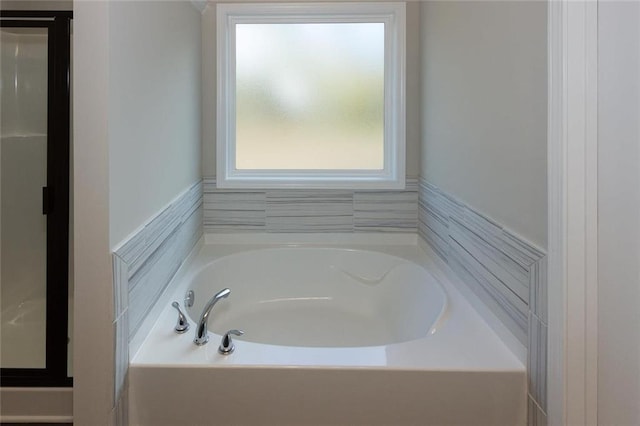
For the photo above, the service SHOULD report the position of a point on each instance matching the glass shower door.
(23, 174)
(34, 197)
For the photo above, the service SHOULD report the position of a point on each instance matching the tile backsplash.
(506, 272)
(142, 268)
(316, 210)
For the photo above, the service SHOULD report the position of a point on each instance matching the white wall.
(209, 88)
(484, 106)
(619, 213)
(154, 109)
(93, 292)
(136, 147)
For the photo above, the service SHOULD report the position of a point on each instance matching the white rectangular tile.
(509, 273)
(437, 224)
(535, 416)
(121, 410)
(538, 289)
(537, 361)
(385, 211)
(442, 204)
(143, 244)
(512, 312)
(440, 246)
(523, 248)
(120, 285)
(121, 355)
(234, 211)
(309, 211)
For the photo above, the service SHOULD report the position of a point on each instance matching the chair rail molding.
(573, 231)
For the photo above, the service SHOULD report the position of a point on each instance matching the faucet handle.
(226, 345)
(182, 325)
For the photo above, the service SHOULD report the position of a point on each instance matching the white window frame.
(393, 15)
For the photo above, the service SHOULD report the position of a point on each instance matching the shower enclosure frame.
(55, 198)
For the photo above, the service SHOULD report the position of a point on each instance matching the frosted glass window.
(311, 95)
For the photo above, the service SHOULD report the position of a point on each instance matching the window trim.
(393, 15)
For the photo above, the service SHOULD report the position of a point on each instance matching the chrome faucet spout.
(201, 332)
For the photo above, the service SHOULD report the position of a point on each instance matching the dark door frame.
(55, 198)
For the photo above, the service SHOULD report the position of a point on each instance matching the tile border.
(506, 272)
(535, 415)
(312, 210)
(143, 266)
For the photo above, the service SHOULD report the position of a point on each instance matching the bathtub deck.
(461, 374)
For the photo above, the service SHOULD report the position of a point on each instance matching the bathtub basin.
(339, 330)
(319, 297)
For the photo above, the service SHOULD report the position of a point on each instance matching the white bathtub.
(320, 297)
(339, 329)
